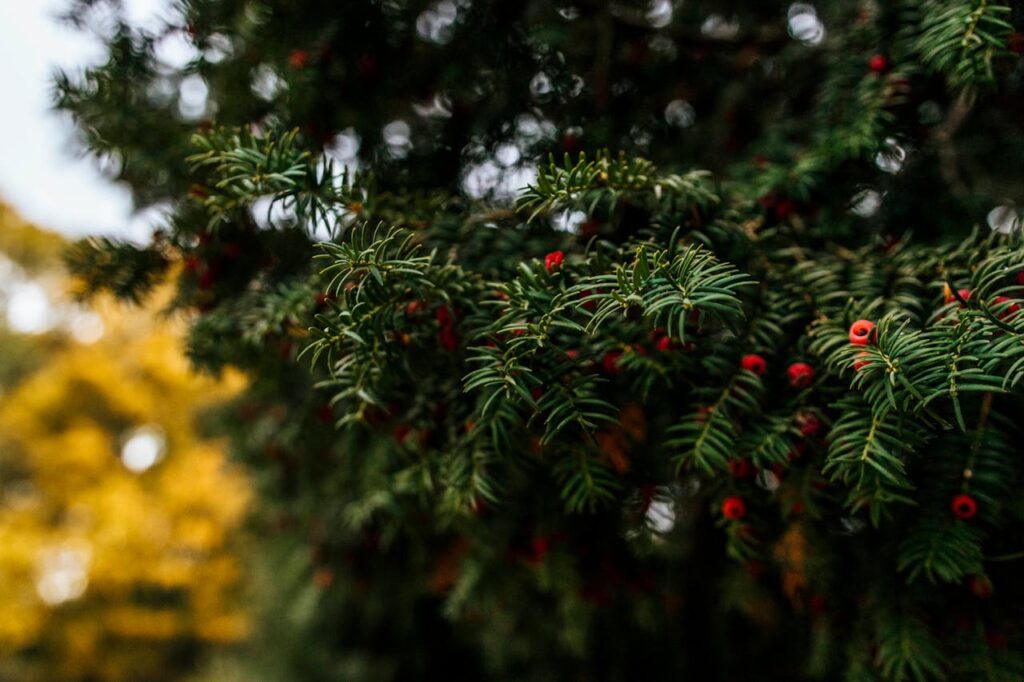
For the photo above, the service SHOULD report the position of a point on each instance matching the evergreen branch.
(374, 274)
(866, 453)
(246, 167)
(575, 402)
(943, 549)
(770, 440)
(669, 288)
(907, 650)
(561, 184)
(587, 483)
(127, 271)
(589, 183)
(708, 437)
(960, 38)
(466, 479)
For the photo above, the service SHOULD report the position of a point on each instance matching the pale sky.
(40, 173)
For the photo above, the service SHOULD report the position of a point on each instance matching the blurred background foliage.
(118, 559)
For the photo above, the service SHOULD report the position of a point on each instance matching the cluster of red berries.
(862, 332)
(800, 374)
(1004, 305)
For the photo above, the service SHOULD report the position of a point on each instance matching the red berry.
(663, 344)
(588, 304)
(538, 550)
(1005, 310)
(554, 260)
(1020, 278)
(325, 413)
(449, 339)
(862, 332)
(1015, 42)
(808, 424)
(734, 508)
(610, 362)
(753, 362)
(323, 578)
(964, 506)
(860, 364)
(588, 228)
(444, 316)
(784, 208)
(965, 294)
(401, 432)
(878, 64)
(800, 375)
(980, 586)
(740, 468)
(298, 59)
(996, 640)
(207, 279)
(647, 493)
(413, 307)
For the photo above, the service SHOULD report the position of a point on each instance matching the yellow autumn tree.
(117, 557)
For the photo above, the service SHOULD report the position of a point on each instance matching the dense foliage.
(738, 397)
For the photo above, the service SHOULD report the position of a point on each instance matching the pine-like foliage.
(545, 414)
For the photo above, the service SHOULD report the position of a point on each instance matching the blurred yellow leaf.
(116, 549)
